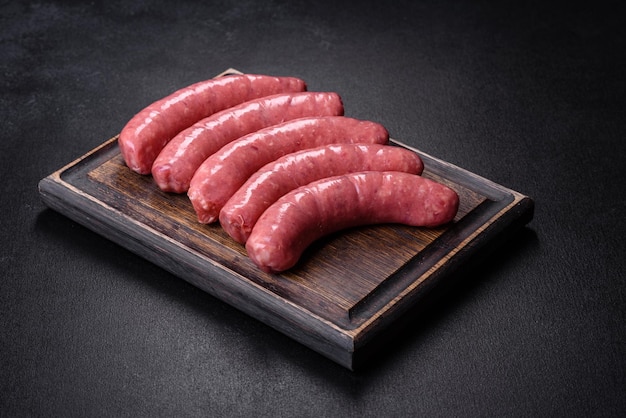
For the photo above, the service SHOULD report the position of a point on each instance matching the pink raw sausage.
(220, 175)
(145, 135)
(181, 157)
(307, 213)
(264, 187)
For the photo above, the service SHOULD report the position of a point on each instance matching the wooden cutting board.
(349, 288)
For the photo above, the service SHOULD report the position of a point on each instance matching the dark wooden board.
(348, 288)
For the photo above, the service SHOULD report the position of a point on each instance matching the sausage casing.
(307, 213)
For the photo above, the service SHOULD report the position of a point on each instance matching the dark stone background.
(527, 94)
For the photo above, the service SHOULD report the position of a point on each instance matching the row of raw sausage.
(279, 170)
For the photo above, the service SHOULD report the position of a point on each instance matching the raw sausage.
(307, 213)
(275, 179)
(145, 135)
(181, 157)
(264, 187)
(220, 175)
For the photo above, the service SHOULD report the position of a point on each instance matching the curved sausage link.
(146, 133)
(220, 175)
(183, 155)
(307, 213)
(268, 184)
